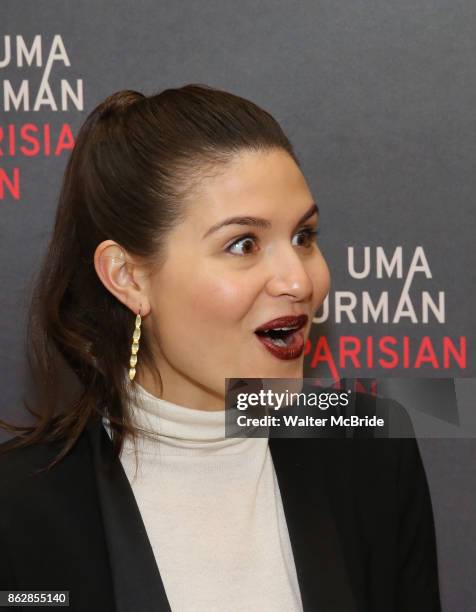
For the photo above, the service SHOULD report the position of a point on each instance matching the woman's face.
(217, 287)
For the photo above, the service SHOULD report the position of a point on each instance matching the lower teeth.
(279, 342)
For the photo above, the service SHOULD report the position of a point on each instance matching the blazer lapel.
(136, 577)
(320, 567)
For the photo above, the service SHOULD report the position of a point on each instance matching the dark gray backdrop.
(379, 100)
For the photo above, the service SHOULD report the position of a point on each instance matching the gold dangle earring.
(135, 346)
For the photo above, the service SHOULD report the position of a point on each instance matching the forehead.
(264, 182)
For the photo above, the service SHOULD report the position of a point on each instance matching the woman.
(184, 224)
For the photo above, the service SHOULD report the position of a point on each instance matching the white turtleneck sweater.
(212, 510)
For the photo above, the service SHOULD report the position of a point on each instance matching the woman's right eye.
(250, 238)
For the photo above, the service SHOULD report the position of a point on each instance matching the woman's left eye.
(308, 233)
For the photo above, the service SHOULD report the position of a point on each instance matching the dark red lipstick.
(283, 337)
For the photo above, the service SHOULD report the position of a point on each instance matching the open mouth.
(282, 344)
(279, 337)
(283, 336)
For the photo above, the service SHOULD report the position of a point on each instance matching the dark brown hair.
(136, 162)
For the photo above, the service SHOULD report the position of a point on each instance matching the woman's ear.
(122, 276)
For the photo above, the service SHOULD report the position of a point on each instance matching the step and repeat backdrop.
(379, 102)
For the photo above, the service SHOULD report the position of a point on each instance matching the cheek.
(221, 300)
(204, 302)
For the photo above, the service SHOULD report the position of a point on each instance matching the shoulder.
(33, 494)
(24, 470)
(369, 458)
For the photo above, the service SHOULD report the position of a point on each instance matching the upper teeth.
(282, 328)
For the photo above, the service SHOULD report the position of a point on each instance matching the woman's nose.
(288, 275)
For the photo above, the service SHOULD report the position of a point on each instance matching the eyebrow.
(258, 221)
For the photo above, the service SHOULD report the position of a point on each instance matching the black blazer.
(358, 512)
